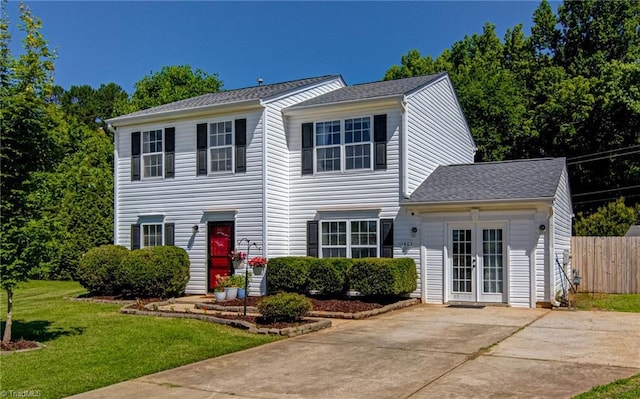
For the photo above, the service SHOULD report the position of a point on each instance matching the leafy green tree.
(30, 142)
(172, 83)
(613, 219)
(91, 106)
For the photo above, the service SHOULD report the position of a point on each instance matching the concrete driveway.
(421, 352)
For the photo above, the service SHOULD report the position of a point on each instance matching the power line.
(604, 157)
(604, 199)
(606, 191)
(603, 152)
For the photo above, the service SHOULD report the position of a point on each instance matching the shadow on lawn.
(39, 330)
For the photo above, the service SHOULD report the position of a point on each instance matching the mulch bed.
(326, 305)
(19, 345)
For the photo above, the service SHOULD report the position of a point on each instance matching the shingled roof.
(372, 90)
(491, 181)
(229, 96)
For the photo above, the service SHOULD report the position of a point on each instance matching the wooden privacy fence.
(607, 264)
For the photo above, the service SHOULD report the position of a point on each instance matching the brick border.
(244, 325)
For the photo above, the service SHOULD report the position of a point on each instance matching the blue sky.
(121, 42)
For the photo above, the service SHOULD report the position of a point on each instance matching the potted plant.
(258, 264)
(230, 290)
(218, 291)
(237, 258)
(240, 281)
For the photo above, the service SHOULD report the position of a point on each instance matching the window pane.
(152, 165)
(358, 156)
(151, 235)
(221, 159)
(328, 159)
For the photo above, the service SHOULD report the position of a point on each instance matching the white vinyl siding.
(188, 199)
(279, 160)
(522, 240)
(562, 230)
(437, 132)
(434, 242)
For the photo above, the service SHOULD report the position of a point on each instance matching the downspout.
(404, 153)
(265, 245)
(116, 143)
(551, 280)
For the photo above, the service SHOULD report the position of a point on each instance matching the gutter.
(404, 145)
(300, 108)
(265, 224)
(467, 202)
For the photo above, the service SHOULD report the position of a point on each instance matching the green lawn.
(628, 388)
(91, 345)
(612, 302)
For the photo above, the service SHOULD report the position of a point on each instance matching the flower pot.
(231, 293)
(258, 270)
(237, 264)
(241, 293)
(220, 296)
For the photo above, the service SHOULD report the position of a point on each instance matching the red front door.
(221, 241)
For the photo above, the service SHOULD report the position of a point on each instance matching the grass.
(611, 302)
(90, 345)
(628, 388)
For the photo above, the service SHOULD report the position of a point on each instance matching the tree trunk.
(6, 338)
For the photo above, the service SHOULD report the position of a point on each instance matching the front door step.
(474, 305)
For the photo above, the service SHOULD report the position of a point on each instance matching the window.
(151, 235)
(349, 139)
(357, 139)
(152, 153)
(349, 239)
(221, 146)
(328, 140)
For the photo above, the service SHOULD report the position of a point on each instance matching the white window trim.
(210, 147)
(343, 145)
(144, 155)
(348, 232)
(142, 234)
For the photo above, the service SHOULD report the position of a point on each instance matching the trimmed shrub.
(154, 272)
(329, 275)
(284, 306)
(289, 274)
(97, 268)
(383, 276)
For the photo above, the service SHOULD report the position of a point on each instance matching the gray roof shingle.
(491, 181)
(372, 90)
(230, 96)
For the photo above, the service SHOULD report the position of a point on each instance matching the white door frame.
(477, 293)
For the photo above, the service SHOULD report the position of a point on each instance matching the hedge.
(289, 274)
(97, 269)
(329, 276)
(154, 272)
(382, 276)
(336, 276)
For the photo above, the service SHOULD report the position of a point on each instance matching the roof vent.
(260, 81)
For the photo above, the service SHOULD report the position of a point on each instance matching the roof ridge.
(275, 84)
(507, 161)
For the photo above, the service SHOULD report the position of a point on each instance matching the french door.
(477, 263)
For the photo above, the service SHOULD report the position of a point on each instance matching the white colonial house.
(315, 167)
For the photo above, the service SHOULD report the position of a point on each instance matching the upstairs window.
(343, 144)
(152, 153)
(221, 146)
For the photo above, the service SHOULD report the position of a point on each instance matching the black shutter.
(135, 236)
(202, 148)
(135, 156)
(307, 148)
(312, 238)
(241, 145)
(380, 138)
(169, 232)
(386, 238)
(169, 151)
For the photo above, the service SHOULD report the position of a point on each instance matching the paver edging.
(244, 325)
(222, 308)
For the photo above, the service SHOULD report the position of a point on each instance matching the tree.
(172, 83)
(613, 219)
(30, 142)
(91, 106)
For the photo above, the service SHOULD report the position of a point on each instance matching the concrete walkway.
(421, 352)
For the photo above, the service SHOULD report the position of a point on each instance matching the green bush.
(329, 275)
(154, 272)
(284, 306)
(289, 274)
(383, 276)
(97, 268)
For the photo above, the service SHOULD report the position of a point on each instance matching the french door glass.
(492, 261)
(462, 271)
